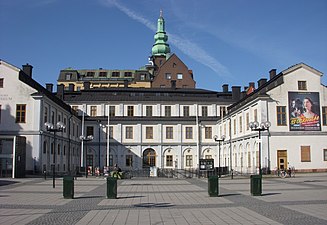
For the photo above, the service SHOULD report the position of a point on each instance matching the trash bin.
(256, 185)
(68, 187)
(213, 189)
(111, 187)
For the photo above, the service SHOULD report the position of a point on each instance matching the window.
(204, 111)
(58, 149)
(89, 130)
(128, 74)
(167, 111)
(68, 76)
(20, 113)
(186, 111)
(208, 157)
(148, 110)
(44, 147)
(222, 111)
(302, 85)
(45, 114)
(305, 154)
(255, 115)
(1, 82)
(142, 77)
(111, 110)
(179, 76)
(149, 132)
(102, 74)
(168, 76)
(324, 115)
(93, 111)
(52, 147)
(90, 74)
(241, 125)
(189, 133)
(247, 121)
(52, 117)
(129, 132)
(208, 132)
(325, 154)
(281, 115)
(234, 122)
(129, 160)
(162, 86)
(115, 74)
(169, 160)
(111, 132)
(189, 160)
(169, 132)
(130, 110)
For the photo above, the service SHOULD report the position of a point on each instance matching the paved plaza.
(299, 200)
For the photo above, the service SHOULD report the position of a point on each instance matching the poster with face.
(304, 113)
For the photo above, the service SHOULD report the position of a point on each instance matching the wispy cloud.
(186, 46)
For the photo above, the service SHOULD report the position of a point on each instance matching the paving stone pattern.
(300, 200)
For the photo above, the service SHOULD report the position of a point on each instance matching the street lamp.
(51, 128)
(219, 142)
(100, 126)
(262, 127)
(86, 139)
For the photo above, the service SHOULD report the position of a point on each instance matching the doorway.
(282, 159)
(149, 158)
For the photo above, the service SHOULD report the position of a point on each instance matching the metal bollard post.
(45, 174)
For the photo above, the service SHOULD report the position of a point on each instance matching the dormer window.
(102, 74)
(68, 76)
(302, 85)
(128, 74)
(115, 74)
(90, 74)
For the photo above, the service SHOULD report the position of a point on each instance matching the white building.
(295, 138)
(26, 147)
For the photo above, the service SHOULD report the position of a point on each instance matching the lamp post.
(99, 143)
(52, 128)
(86, 139)
(262, 127)
(219, 142)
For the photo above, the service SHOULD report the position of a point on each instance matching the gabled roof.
(35, 85)
(299, 66)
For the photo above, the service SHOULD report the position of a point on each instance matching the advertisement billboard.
(304, 113)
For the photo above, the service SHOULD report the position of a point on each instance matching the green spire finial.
(160, 46)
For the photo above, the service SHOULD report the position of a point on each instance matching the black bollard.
(45, 174)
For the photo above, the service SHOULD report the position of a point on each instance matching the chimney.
(87, 85)
(272, 73)
(261, 82)
(27, 69)
(225, 88)
(49, 87)
(71, 87)
(251, 84)
(173, 84)
(60, 91)
(236, 93)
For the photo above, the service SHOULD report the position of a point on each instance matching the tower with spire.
(160, 47)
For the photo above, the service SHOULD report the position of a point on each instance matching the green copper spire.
(160, 46)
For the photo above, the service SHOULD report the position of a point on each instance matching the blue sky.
(233, 42)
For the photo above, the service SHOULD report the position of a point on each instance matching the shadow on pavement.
(7, 182)
(154, 205)
(267, 194)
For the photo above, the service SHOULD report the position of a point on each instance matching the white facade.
(285, 145)
(22, 97)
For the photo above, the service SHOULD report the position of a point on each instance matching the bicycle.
(288, 173)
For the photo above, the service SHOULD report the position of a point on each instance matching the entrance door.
(149, 158)
(282, 159)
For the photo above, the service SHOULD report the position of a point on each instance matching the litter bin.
(256, 185)
(68, 190)
(213, 189)
(111, 187)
